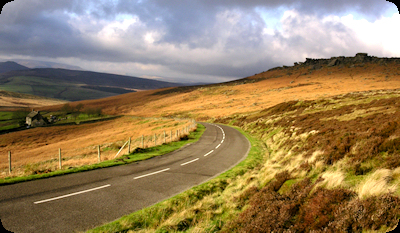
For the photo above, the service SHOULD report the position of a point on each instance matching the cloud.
(194, 39)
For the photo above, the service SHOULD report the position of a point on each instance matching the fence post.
(129, 146)
(9, 162)
(59, 158)
(98, 154)
(142, 142)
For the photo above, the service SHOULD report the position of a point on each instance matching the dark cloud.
(199, 37)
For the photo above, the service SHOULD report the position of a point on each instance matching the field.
(12, 120)
(36, 150)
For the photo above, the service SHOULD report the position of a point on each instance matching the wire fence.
(66, 158)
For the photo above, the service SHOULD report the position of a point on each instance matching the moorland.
(325, 149)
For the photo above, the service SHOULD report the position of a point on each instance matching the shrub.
(324, 210)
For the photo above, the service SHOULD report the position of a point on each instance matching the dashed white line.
(72, 194)
(209, 153)
(153, 173)
(138, 177)
(194, 160)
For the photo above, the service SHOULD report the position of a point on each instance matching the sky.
(195, 40)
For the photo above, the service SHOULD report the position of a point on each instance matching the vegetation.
(139, 154)
(343, 155)
(12, 120)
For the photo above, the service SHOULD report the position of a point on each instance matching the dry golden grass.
(270, 88)
(376, 184)
(37, 149)
(16, 100)
(333, 179)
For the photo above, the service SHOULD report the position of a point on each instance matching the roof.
(33, 114)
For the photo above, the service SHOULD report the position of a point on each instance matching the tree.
(79, 107)
(93, 111)
(67, 108)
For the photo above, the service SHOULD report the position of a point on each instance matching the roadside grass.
(206, 207)
(139, 154)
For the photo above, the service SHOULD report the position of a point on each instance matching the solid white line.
(183, 164)
(218, 146)
(72, 194)
(209, 153)
(150, 174)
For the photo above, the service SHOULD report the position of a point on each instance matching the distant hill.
(74, 85)
(32, 64)
(11, 66)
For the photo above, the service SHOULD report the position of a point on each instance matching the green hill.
(11, 66)
(74, 85)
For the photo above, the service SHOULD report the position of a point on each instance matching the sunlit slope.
(253, 93)
(18, 100)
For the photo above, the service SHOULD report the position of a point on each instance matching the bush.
(324, 210)
(93, 111)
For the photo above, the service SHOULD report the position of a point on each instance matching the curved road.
(81, 201)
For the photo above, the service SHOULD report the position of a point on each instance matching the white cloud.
(381, 34)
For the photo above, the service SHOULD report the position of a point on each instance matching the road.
(81, 201)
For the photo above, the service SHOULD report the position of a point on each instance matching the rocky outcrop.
(359, 60)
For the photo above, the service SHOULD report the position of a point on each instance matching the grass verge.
(204, 206)
(137, 155)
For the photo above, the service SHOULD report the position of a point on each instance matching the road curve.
(81, 201)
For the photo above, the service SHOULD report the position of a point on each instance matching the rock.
(333, 62)
(357, 61)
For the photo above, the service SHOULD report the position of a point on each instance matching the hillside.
(73, 85)
(325, 156)
(11, 100)
(11, 66)
(258, 92)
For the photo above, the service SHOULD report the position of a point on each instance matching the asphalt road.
(81, 201)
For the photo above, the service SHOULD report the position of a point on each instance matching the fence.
(98, 153)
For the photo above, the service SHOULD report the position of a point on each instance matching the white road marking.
(138, 177)
(218, 146)
(183, 164)
(209, 153)
(72, 194)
